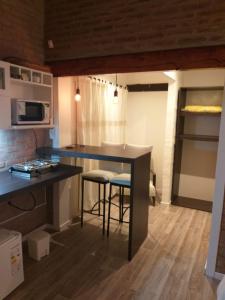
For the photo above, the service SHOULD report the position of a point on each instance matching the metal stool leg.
(99, 198)
(109, 208)
(153, 201)
(104, 192)
(122, 202)
(82, 203)
(120, 205)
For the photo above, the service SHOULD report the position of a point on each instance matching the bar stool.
(152, 181)
(122, 181)
(102, 177)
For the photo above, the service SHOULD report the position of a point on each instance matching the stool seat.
(99, 175)
(123, 179)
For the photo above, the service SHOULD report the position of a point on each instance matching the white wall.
(65, 192)
(64, 111)
(202, 77)
(146, 116)
(218, 200)
(171, 112)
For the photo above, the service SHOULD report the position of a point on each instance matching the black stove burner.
(33, 168)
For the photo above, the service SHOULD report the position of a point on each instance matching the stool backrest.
(109, 165)
(127, 167)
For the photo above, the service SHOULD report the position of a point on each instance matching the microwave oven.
(29, 112)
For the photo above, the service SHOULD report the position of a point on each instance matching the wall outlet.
(52, 133)
(2, 164)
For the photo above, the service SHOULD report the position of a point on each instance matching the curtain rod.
(106, 81)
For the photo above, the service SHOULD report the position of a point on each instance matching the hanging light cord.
(26, 209)
(35, 139)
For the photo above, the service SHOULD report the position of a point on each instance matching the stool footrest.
(97, 206)
(91, 213)
(127, 222)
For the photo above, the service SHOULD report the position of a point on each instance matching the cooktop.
(33, 168)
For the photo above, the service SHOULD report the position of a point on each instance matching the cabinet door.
(4, 78)
(5, 112)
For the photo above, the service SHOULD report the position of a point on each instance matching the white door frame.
(218, 200)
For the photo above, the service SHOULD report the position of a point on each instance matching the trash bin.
(38, 244)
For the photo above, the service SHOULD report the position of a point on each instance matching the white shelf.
(29, 82)
(31, 126)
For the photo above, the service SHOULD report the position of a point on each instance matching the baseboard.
(61, 227)
(52, 227)
(218, 276)
(42, 227)
(65, 225)
(48, 226)
(192, 203)
(165, 203)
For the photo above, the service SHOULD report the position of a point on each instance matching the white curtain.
(99, 119)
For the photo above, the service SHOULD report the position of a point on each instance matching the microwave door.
(34, 112)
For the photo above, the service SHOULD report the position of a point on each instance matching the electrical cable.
(36, 140)
(25, 209)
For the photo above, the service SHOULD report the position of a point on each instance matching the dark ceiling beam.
(151, 87)
(180, 59)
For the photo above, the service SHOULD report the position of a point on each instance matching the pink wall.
(19, 145)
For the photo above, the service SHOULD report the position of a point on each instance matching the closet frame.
(180, 136)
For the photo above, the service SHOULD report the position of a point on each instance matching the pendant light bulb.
(77, 95)
(115, 95)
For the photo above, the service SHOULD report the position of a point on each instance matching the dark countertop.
(12, 184)
(95, 152)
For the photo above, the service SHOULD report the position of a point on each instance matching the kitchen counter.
(12, 184)
(95, 152)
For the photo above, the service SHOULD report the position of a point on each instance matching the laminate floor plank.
(85, 265)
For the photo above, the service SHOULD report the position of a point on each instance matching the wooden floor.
(169, 265)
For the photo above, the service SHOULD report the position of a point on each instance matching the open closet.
(197, 133)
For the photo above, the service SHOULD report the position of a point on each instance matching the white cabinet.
(11, 275)
(23, 83)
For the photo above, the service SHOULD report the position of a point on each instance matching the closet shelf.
(198, 137)
(190, 113)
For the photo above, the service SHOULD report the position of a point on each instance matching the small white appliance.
(25, 112)
(11, 261)
(38, 244)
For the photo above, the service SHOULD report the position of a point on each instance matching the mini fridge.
(11, 261)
